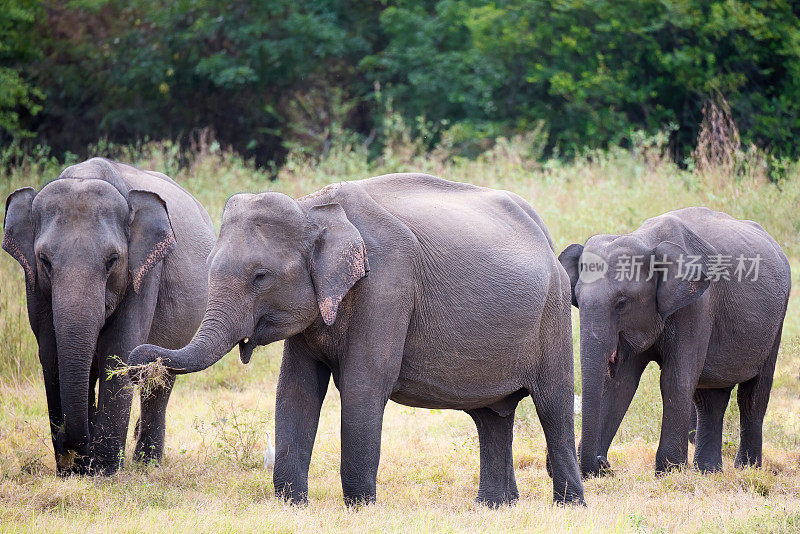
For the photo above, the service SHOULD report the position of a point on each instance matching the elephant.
(408, 287)
(113, 257)
(707, 305)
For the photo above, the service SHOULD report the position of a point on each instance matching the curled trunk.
(218, 334)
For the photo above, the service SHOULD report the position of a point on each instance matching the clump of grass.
(148, 376)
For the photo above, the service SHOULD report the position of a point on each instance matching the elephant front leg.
(150, 428)
(617, 399)
(368, 372)
(683, 355)
(495, 435)
(302, 385)
(111, 422)
(362, 421)
(129, 327)
(367, 377)
(677, 390)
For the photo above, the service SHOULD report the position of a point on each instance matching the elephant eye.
(111, 261)
(621, 303)
(45, 263)
(259, 277)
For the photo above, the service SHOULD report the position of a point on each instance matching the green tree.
(265, 75)
(596, 69)
(17, 47)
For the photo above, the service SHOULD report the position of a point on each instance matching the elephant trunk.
(598, 349)
(219, 332)
(78, 316)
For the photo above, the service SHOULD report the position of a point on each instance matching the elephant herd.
(407, 287)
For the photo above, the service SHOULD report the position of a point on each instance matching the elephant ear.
(151, 237)
(18, 232)
(570, 258)
(338, 258)
(682, 284)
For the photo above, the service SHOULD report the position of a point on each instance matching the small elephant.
(113, 257)
(701, 294)
(465, 307)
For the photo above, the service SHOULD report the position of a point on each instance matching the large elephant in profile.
(701, 294)
(113, 257)
(407, 287)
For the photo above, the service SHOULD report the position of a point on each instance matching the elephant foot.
(284, 492)
(603, 469)
(100, 468)
(569, 499)
(66, 462)
(708, 467)
(357, 501)
(71, 463)
(147, 460)
(496, 500)
(147, 454)
(744, 459)
(667, 466)
(74, 470)
(605, 466)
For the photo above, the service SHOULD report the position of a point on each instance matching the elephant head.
(626, 287)
(83, 246)
(276, 269)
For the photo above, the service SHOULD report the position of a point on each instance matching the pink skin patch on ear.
(12, 248)
(158, 253)
(613, 357)
(355, 262)
(327, 308)
(354, 259)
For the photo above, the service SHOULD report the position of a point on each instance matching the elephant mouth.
(613, 364)
(246, 346)
(614, 360)
(622, 350)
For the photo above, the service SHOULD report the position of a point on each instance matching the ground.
(212, 478)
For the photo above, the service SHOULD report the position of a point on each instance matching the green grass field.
(212, 478)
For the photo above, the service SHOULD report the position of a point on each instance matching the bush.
(269, 77)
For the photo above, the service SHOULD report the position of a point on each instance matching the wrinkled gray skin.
(113, 257)
(707, 336)
(465, 307)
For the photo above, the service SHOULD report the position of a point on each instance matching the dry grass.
(212, 478)
(147, 377)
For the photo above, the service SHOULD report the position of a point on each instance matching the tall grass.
(217, 422)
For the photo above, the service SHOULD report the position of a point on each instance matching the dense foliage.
(269, 75)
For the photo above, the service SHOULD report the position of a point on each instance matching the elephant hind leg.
(495, 435)
(753, 397)
(552, 389)
(554, 407)
(710, 407)
(151, 425)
